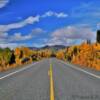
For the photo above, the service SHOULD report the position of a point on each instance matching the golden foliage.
(60, 55)
(87, 55)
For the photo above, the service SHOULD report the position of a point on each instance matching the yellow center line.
(51, 83)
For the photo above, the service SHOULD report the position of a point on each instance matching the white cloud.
(61, 15)
(71, 35)
(6, 38)
(29, 20)
(19, 37)
(37, 31)
(48, 14)
(58, 15)
(3, 35)
(3, 3)
(72, 32)
(10, 45)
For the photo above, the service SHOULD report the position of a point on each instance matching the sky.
(35, 23)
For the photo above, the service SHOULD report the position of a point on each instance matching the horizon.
(37, 23)
(33, 46)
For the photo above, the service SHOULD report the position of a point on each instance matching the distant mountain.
(33, 48)
(53, 47)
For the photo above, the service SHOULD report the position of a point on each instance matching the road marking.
(22, 69)
(51, 83)
(82, 70)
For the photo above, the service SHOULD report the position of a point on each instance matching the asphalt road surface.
(33, 82)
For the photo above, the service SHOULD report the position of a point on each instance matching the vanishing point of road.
(49, 79)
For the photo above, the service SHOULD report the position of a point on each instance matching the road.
(33, 83)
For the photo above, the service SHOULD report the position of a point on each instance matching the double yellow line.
(51, 83)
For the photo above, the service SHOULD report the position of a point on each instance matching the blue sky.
(48, 22)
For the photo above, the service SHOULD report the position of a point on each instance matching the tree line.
(87, 55)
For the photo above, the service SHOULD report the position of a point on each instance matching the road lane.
(30, 84)
(71, 84)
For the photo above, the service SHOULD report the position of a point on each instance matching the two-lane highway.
(29, 84)
(33, 83)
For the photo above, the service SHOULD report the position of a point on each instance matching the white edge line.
(22, 69)
(79, 69)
